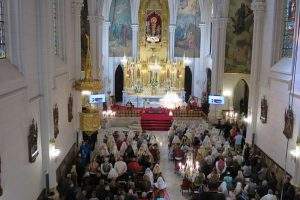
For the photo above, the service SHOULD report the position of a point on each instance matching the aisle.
(167, 167)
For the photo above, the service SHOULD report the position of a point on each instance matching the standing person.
(238, 139)
(212, 193)
(288, 192)
(85, 153)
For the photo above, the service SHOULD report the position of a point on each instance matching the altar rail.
(189, 113)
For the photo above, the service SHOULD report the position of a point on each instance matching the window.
(2, 30)
(288, 28)
(58, 27)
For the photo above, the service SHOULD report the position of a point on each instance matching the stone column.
(204, 51)
(219, 25)
(77, 6)
(105, 51)
(94, 37)
(172, 28)
(258, 7)
(135, 30)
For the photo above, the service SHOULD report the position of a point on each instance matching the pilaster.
(258, 7)
(135, 31)
(172, 28)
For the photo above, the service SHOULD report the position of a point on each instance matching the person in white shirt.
(269, 196)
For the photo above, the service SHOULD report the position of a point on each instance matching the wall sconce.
(227, 93)
(296, 152)
(86, 93)
(53, 151)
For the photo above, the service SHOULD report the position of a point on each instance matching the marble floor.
(167, 167)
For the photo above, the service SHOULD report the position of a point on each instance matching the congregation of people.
(121, 165)
(227, 169)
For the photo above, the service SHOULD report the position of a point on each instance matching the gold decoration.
(90, 121)
(88, 83)
(153, 73)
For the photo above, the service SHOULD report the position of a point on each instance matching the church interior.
(149, 100)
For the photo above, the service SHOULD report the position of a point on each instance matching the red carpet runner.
(156, 119)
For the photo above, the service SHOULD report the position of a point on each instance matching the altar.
(144, 100)
(151, 75)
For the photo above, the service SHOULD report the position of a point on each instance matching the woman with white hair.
(160, 190)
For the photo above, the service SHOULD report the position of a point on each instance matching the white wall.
(21, 95)
(275, 85)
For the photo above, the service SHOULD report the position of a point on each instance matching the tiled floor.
(173, 180)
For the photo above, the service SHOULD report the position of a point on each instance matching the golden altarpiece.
(152, 73)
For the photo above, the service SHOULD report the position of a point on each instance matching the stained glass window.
(2, 30)
(289, 26)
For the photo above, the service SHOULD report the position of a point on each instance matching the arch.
(119, 83)
(188, 77)
(241, 97)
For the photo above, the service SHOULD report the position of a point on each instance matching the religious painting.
(153, 26)
(120, 34)
(32, 142)
(264, 110)
(55, 120)
(70, 108)
(187, 33)
(288, 123)
(289, 27)
(239, 37)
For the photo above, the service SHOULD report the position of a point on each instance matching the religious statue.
(32, 142)
(55, 121)
(70, 108)
(291, 9)
(1, 190)
(288, 123)
(153, 27)
(264, 110)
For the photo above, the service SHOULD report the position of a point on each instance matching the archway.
(241, 97)
(188, 83)
(119, 84)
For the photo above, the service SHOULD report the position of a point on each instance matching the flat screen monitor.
(97, 98)
(216, 100)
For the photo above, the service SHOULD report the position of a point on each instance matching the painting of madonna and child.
(187, 33)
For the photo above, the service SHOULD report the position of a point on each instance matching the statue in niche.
(1, 189)
(291, 9)
(153, 27)
(264, 110)
(70, 108)
(32, 142)
(288, 123)
(55, 121)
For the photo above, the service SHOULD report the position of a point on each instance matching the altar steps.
(156, 122)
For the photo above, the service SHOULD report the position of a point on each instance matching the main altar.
(150, 76)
